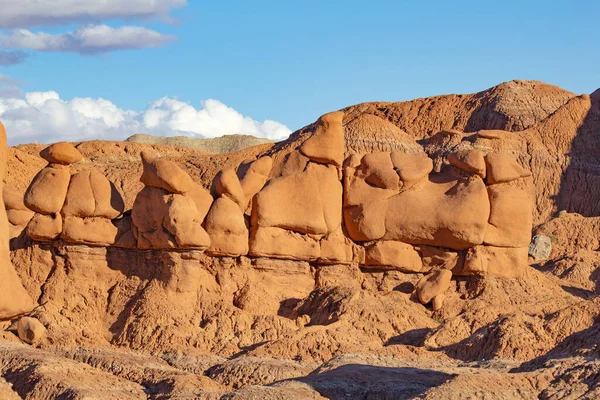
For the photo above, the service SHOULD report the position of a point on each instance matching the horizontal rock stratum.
(369, 255)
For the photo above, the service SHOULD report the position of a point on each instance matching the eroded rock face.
(387, 210)
(14, 299)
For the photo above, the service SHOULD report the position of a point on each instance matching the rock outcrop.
(169, 211)
(14, 299)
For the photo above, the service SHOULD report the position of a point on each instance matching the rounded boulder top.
(61, 153)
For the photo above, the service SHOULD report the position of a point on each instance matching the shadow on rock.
(359, 381)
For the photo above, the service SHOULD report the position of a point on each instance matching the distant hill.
(223, 144)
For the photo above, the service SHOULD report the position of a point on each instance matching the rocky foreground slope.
(300, 269)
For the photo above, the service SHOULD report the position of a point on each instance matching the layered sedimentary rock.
(468, 212)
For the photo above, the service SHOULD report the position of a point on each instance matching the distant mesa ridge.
(218, 145)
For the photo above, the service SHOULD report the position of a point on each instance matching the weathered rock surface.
(164, 174)
(14, 299)
(30, 330)
(61, 153)
(48, 190)
(326, 324)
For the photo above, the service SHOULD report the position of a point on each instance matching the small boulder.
(48, 189)
(438, 302)
(44, 227)
(30, 330)
(433, 285)
(63, 153)
(164, 174)
(540, 248)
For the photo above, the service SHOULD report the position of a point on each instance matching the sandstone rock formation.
(169, 211)
(14, 299)
(30, 330)
(18, 214)
(403, 266)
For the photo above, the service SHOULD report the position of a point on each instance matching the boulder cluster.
(79, 208)
(469, 214)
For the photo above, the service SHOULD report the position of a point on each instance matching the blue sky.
(293, 61)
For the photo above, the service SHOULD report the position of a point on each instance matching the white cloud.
(92, 39)
(33, 13)
(46, 118)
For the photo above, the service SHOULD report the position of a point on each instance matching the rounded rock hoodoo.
(169, 211)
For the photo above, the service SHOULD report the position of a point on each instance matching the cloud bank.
(92, 39)
(46, 118)
(36, 13)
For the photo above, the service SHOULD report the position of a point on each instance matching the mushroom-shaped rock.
(433, 285)
(91, 194)
(226, 227)
(164, 174)
(30, 330)
(412, 168)
(61, 153)
(502, 168)
(511, 217)
(47, 192)
(470, 160)
(394, 256)
(227, 184)
(326, 145)
(44, 227)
